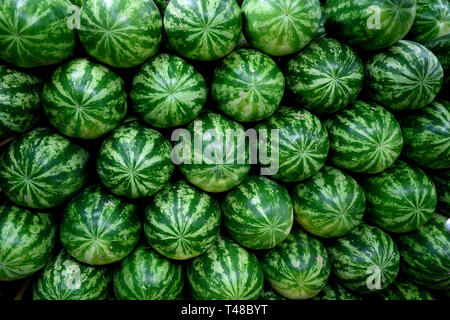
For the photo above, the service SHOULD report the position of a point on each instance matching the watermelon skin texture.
(364, 138)
(329, 204)
(27, 241)
(400, 199)
(167, 92)
(432, 20)
(441, 180)
(282, 27)
(84, 99)
(248, 86)
(182, 222)
(98, 228)
(20, 102)
(440, 47)
(298, 268)
(120, 33)
(258, 213)
(42, 169)
(269, 294)
(135, 161)
(334, 291)
(426, 254)
(326, 76)
(203, 29)
(147, 275)
(426, 136)
(225, 272)
(405, 77)
(404, 290)
(365, 260)
(369, 24)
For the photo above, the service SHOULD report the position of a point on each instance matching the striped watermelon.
(42, 169)
(35, 33)
(441, 47)
(121, 33)
(401, 198)
(370, 24)
(432, 20)
(334, 291)
(441, 180)
(427, 136)
(281, 27)
(298, 268)
(326, 76)
(225, 272)
(406, 76)
(27, 240)
(135, 161)
(85, 100)
(182, 222)
(168, 92)
(203, 29)
(146, 275)
(329, 204)
(248, 86)
(365, 260)
(404, 290)
(258, 213)
(364, 138)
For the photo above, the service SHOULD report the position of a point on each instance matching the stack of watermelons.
(123, 176)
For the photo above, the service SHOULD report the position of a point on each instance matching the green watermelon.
(404, 290)
(441, 47)
(203, 29)
(225, 272)
(369, 24)
(426, 136)
(121, 33)
(248, 86)
(135, 161)
(35, 33)
(42, 169)
(85, 100)
(441, 180)
(182, 222)
(258, 213)
(401, 198)
(426, 254)
(321, 32)
(329, 204)
(334, 291)
(20, 102)
(365, 260)
(168, 92)
(432, 20)
(146, 275)
(281, 27)
(405, 77)
(326, 76)
(364, 138)
(27, 240)
(298, 268)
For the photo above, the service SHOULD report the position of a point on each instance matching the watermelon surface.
(432, 20)
(404, 290)
(440, 47)
(441, 180)
(334, 291)
(321, 32)
(269, 294)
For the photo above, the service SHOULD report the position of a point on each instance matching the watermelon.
(405, 77)
(369, 24)
(426, 136)
(120, 33)
(432, 20)
(146, 275)
(302, 142)
(329, 204)
(258, 213)
(441, 180)
(364, 138)
(203, 29)
(334, 291)
(269, 294)
(365, 260)
(225, 272)
(404, 290)
(42, 169)
(27, 240)
(283, 27)
(182, 222)
(248, 86)
(441, 47)
(20, 102)
(135, 161)
(168, 92)
(321, 32)
(426, 254)
(84, 99)
(65, 278)
(326, 76)
(298, 268)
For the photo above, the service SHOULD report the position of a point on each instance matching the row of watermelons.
(93, 198)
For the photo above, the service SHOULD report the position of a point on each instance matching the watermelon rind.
(432, 20)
